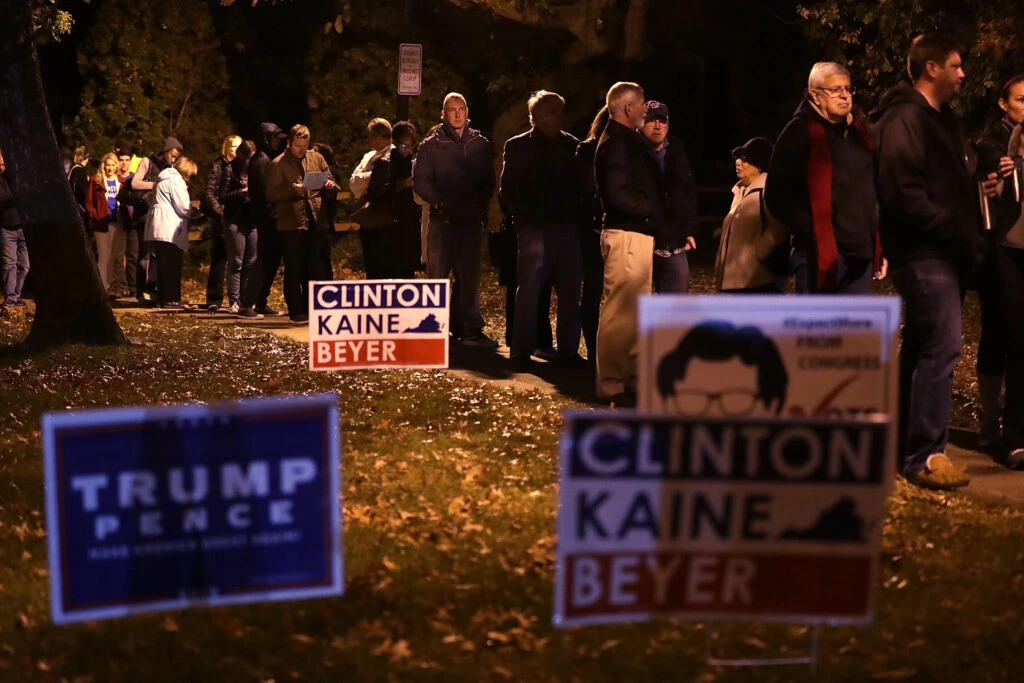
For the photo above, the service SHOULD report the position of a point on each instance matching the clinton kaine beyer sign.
(359, 324)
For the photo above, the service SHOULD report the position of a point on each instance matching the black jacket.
(218, 185)
(538, 179)
(927, 193)
(854, 202)
(9, 216)
(235, 199)
(78, 176)
(630, 183)
(264, 211)
(454, 174)
(682, 198)
(590, 211)
(991, 147)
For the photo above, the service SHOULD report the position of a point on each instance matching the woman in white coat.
(167, 229)
(749, 234)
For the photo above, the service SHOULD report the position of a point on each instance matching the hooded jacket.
(167, 220)
(264, 211)
(454, 174)
(630, 183)
(851, 199)
(927, 194)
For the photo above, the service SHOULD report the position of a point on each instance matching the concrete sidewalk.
(989, 480)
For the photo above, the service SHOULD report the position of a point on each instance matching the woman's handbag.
(372, 216)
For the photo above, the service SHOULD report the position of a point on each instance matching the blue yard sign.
(172, 507)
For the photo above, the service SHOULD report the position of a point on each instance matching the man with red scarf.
(821, 187)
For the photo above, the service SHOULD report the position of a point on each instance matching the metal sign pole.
(811, 659)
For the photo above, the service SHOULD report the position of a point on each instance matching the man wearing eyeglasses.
(820, 186)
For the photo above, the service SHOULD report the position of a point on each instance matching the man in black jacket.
(929, 222)
(454, 173)
(671, 273)
(538, 186)
(632, 191)
(253, 302)
(820, 186)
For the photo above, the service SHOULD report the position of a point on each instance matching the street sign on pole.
(410, 69)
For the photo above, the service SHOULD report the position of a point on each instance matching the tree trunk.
(71, 305)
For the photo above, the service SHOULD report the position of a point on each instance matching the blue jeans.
(932, 294)
(852, 276)
(241, 249)
(15, 263)
(671, 273)
(547, 253)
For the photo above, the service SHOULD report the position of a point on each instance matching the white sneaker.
(234, 307)
(1015, 460)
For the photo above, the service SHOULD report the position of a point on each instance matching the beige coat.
(746, 239)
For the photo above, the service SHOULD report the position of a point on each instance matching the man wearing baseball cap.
(671, 273)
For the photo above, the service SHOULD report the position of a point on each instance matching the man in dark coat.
(538, 186)
(454, 173)
(820, 186)
(671, 273)
(253, 302)
(632, 191)
(929, 221)
(301, 223)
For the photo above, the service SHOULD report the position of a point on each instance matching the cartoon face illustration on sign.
(721, 369)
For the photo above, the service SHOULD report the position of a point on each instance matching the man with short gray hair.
(633, 194)
(820, 186)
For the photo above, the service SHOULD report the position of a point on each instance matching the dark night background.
(728, 69)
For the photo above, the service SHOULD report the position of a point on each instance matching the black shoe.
(248, 313)
(17, 304)
(269, 312)
(172, 305)
(573, 361)
(548, 353)
(523, 363)
(480, 340)
(300, 318)
(213, 308)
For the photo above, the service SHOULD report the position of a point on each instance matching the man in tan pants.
(632, 192)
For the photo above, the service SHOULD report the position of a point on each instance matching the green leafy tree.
(873, 39)
(349, 85)
(152, 74)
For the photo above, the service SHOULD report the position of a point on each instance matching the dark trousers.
(671, 274)
(146, 268)
(454, 247)
(593, 286)
(544, 338)
(547, 254)
(168, 287)
(125, 258)
(384, 253)
(994, 321)
(242, 244)
(15, 262)
(931, 291)
(218, 262)
(303, 261)
(852, 276)
(264, 271)
(1010, 264)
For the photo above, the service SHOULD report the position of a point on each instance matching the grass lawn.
(450, 492)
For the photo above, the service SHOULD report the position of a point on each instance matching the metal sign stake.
(811, 660)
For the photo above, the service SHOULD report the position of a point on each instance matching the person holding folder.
(295, 181)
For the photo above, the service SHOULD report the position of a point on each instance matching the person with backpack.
(750, 235)
(821, 187)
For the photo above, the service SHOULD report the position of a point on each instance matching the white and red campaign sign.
(710, 518)
(779, 356)
(361, 324)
